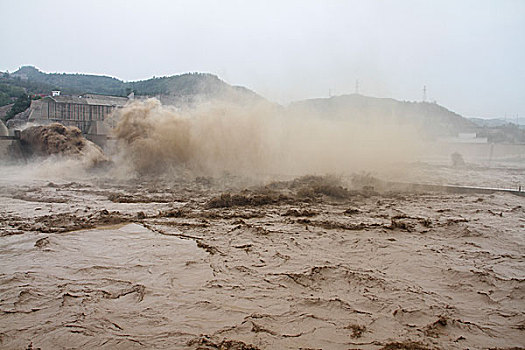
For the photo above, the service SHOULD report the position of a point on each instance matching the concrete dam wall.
(10, 149)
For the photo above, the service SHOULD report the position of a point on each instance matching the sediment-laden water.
(210, 263)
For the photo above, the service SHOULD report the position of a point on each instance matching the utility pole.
(424, 93)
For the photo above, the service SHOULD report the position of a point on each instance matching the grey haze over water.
(469, 54)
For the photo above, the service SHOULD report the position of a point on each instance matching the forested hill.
(71, 83)
(189, 84)
(194, 88)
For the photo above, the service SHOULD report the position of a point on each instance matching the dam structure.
(88, 112)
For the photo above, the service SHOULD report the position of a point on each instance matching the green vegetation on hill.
(177, 85)
(9, 93)
(18, 91)
(12, 87)
(29, 80)
(21, 104)
(184, 84)
(182, 87)
(28, 85)
(72, 84)
(431, 118)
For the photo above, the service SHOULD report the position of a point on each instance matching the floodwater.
(206, 264)
(89, 287)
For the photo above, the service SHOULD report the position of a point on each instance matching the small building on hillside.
(87, 112)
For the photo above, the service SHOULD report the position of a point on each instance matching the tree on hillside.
(21, 104)
(9, 92)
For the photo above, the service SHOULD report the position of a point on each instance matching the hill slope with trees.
(193, 88)
(183, 85)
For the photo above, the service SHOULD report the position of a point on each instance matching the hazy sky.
(469, 54)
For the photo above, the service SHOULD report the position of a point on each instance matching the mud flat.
(309, 263)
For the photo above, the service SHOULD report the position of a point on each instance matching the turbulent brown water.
(216, 138)
(211, 264)
(57, 139)
(187, 239)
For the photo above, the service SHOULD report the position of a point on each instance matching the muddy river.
(304, 263)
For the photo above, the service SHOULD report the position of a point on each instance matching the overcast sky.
(469, 54)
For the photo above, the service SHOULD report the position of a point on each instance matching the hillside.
(194, 88)
(433, 118)
(495, 122)
(72, 83)
(13, 88)
(172, 89)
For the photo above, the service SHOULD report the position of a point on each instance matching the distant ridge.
(193, 88)
(73, 83)
(496, 122)
(435, 119)
(173, 88)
